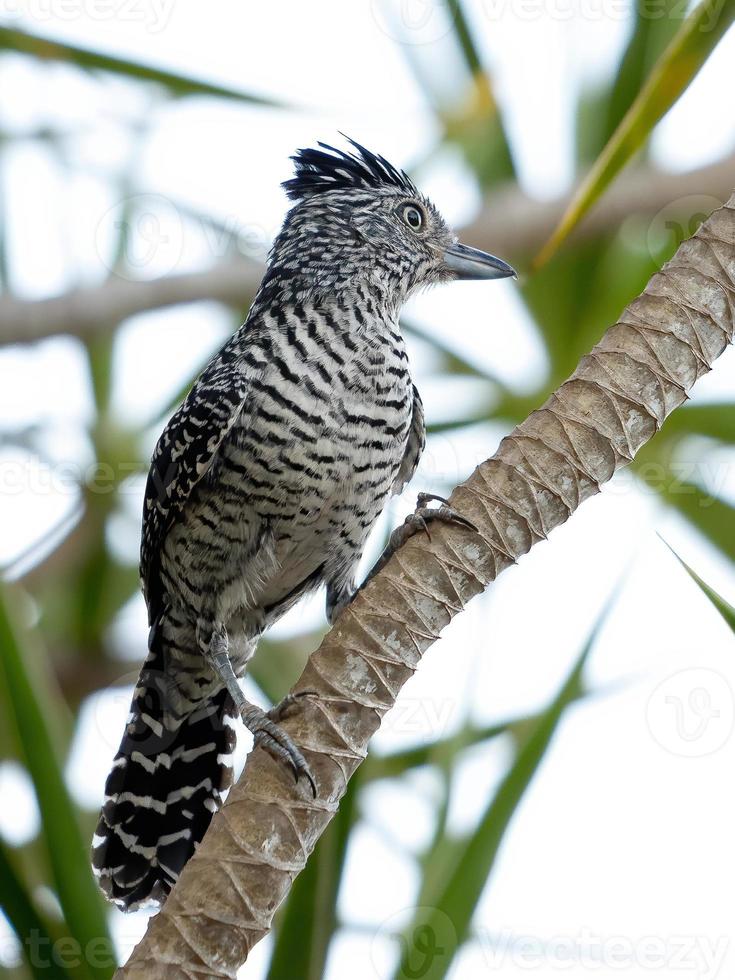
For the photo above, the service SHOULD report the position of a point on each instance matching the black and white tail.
(166, 781)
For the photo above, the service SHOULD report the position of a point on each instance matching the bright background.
(623, 844)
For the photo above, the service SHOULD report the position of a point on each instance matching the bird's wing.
(184, 453)
(414, 446)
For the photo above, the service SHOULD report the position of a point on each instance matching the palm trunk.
(561, 454)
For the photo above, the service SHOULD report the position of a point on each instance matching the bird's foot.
(423, 515)
(267, 732)
(262, 724)
(420, 520)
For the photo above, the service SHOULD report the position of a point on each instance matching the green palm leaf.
(36, 725)
(722, 606)
(458, 869)
(679, 64)
(32, 931)
(23, 42)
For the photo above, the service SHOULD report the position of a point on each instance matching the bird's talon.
(458, 518)
(302, 769)
(424, 526)
(268, 734)
(312, 782)
(444, 513)
(280, 710)
(424, 498)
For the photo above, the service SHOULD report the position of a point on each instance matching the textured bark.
(594, 423)
(510, 224)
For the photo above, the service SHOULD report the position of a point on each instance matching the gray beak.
(470, 263)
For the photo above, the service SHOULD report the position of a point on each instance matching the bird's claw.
(424, 497)
(419, 520)
(268, 733)
(279, 711)
(445, 513)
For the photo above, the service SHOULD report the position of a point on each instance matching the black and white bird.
(264, 486)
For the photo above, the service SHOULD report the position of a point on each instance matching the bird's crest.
(328, 168)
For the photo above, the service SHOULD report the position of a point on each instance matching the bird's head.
(358, 220)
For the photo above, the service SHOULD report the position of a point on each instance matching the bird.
(264, 486)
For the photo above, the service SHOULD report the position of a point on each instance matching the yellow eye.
(413, 217)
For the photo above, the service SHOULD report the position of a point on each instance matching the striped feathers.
(329, 169)
(166, 781)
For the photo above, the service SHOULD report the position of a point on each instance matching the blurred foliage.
(23, 42)
(457, 868)
(722, 606)
(54, 622)
(699, 35)
(33, 707)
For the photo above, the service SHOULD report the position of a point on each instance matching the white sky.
(625, 838)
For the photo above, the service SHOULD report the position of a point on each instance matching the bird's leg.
(340, 593)
(419, 520)
(263, 725)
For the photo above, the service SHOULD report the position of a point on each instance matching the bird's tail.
(166, 781)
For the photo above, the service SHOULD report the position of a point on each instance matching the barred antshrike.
(264, 485)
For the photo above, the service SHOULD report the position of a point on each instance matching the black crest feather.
(328, 169)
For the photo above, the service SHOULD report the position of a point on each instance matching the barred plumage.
(264, 486)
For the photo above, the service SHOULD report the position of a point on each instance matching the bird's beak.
(470, 263)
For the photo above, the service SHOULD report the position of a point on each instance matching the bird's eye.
(413, 217)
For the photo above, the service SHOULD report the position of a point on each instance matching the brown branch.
(594, 423)
(513, 224)
(510, 224)
(84, 312)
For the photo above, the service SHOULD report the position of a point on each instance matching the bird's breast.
(325, 428)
